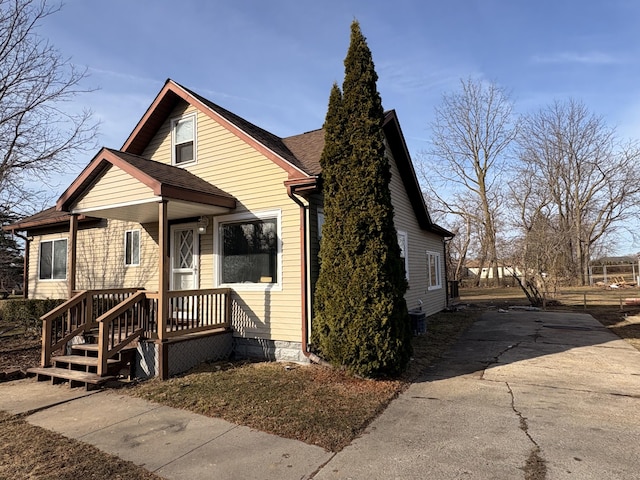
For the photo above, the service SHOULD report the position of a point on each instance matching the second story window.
(183, 139)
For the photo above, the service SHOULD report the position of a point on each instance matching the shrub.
(27, 312)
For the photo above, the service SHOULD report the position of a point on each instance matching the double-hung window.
(433, 271)
(249, 250)
(403, 242)
(320, 220)
(53, 260)
(132, 248)
(183, 139)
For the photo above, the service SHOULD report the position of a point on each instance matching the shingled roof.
(307, 147)
(298, 154)
(170, 175)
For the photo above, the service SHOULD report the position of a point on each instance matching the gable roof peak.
(172, 93)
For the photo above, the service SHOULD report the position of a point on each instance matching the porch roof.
(188, 194)
(45, 219)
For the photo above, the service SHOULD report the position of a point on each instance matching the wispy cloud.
(123, 76)
(585, 58)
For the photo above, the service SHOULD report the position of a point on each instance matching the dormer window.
(183, 139)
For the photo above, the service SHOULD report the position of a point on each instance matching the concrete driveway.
(523, 395)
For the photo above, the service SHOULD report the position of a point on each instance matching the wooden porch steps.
(81, 366)
(93, 348)
(76, 377)
(79, 360)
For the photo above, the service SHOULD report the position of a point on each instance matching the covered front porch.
(109, 322)
(125, 188)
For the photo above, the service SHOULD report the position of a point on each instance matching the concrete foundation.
(274, 350)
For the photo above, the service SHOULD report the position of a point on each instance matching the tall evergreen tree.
(361, 319)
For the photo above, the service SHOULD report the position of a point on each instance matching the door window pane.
(183, 257)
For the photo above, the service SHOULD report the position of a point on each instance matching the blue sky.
(273, 62)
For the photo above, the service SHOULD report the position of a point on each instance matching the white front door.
(185, 258)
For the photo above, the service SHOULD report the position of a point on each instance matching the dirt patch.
(17, 354)
(314, 404)
(625, 324)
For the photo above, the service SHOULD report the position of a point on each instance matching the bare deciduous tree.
(579, 177)
(38, 135)
(472, 133)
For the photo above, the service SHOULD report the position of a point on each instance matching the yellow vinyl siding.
(257, 183)
(419, 242)
(100, 258)
(114, 187)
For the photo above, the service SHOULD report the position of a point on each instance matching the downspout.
(25, 266)
(305, 267)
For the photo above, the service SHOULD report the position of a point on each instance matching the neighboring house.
(219, 221)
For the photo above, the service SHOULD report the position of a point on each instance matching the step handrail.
(47, 327)
(81, 321)
(106, 320)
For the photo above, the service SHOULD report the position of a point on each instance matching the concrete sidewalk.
(520, 389)
(172, 443)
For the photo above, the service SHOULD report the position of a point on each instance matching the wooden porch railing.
(192, 311)
(76, 316)
(123, 315)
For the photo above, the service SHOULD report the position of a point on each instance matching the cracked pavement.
(522, 395)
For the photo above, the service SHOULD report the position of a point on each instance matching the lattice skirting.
(183, 354)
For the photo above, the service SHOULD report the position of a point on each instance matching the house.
(473, 269)
(200, 237)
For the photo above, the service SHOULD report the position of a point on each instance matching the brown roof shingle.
(47, 218)
(307, 147)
